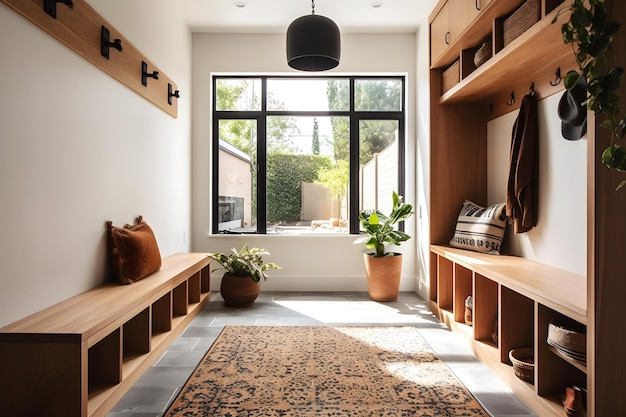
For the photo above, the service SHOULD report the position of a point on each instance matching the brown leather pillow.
(133, 251)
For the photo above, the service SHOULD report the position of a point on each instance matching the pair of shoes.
(574, 402)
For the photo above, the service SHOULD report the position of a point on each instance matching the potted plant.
(590, 32)
(244, 269)
(384, 268)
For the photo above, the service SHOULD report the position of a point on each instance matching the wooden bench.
(525, 296)
(79, 357)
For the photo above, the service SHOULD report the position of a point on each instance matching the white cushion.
(480, 229)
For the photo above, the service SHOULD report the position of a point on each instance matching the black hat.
(573, 111)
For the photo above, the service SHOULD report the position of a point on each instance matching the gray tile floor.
(158, 387)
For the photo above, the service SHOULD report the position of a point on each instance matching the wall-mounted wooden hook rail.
(80, 29)
(171, 93)
(106, 44)
(50, 6)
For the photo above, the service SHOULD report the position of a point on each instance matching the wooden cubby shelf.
(525, 296)
(77, 358)
(517, 298)
(512, 70)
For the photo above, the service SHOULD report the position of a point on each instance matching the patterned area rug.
(323, 371)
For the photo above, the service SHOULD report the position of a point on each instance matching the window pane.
(378, 154)
(238, 94)
(237, 175)
(378, 95)
(308, 94)
(307, 174)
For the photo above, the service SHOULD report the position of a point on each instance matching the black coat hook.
(512, 100)
(106, 44)
(490, 111)
(171, 94)
(50, 6)
(532, 89)
(557, 77)
(145, 74)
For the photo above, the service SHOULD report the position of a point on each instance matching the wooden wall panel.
(80, 28)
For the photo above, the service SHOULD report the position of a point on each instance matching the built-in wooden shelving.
(78, 357)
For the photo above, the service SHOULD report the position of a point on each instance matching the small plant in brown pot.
(245, 267)
(383, 268)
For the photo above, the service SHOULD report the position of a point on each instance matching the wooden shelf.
(529, 62)
(518, 63)
(102, 341)
(458, 161)
(479, 29)
(561, 290)
(580, 365)
(503, 288)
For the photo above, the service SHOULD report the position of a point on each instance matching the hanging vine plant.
(590, 32)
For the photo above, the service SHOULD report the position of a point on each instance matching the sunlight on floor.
(352, 311)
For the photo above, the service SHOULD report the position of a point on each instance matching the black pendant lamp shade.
(313, 43)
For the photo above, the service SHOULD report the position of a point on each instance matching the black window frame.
(261, 116)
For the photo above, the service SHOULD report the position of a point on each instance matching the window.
(303, 154)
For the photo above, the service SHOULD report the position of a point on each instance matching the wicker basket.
(483, 54)
(451, 76)
(524, 17)
(523, 363)
(567, 338)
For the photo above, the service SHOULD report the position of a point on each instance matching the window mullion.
(262, 162)
(353, 204)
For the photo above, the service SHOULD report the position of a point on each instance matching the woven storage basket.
(483, 54)
(451, 76)
(524, 17)
(523, 364)
(568, 338)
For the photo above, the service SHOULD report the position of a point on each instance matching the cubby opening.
(105, 362)
(485, 310)
(516, 323)
(462, 289)
(205, 280)
(557, 370)
(136, 334)
(194, 288)
(179, 298)
(550, 5)
(445, 272)
(162, 314)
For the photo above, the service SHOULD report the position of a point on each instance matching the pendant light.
(313, 43)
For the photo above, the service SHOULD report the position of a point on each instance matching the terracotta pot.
(383, 276)
(239, 291)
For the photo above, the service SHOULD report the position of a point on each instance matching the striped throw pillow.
(480, 229)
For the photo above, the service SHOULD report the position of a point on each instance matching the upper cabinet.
(461, 24)
(520, 59)
(462, 13)
(440, 32)
(451, 18)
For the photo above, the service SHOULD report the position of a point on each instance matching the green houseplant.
(590, 32)
(383, 268)
(244, 269)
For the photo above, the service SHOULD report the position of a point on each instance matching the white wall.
(78, 148)
(309, 262)
(422, 156)
(560, 238)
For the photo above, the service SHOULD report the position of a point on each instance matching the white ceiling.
(274, 16)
